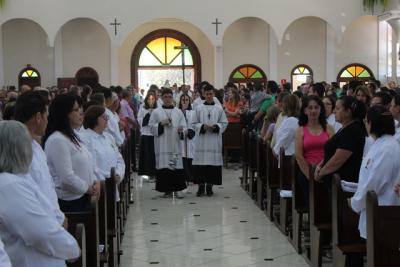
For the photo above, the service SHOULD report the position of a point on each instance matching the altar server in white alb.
(167, 125)
(380, 168)
(101, 145)
(31, 234)
(31, 109)
(209, 121)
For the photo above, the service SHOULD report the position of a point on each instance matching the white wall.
(359, 44)
(304, 42)
(85, 43)
(246, 42)
(25, 42)
(205, 47)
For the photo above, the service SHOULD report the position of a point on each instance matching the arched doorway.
(247, 73)
(301, 74)
(165, 55)
(87, 76)
(29, 76)
(354, 71)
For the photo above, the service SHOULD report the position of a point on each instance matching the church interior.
(259, 214)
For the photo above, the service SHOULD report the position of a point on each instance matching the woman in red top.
(311, 137)
(232, 107)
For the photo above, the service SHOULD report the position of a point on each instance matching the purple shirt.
(127, 112)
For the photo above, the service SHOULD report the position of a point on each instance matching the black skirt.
(207, 174)
(147, 158)
(188, 167)
(170, 180)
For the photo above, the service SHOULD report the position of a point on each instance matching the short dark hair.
(28, 104)
(208, 87)
(166, 91)
(303, 119)
(381, 121)
(353, 84)
(319, 89)
(91, 116)
(385, 97)
(107, 93)
(357, 108)
(98, 98)
(272, 86)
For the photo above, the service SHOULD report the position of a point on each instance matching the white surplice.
(31, 235)
(188, 144)
(167, 146)
(144, 130)
(380, 171)
(40, 173)
(208, 146)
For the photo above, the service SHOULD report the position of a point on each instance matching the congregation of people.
(58, 144)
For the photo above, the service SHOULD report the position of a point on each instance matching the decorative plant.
(370, 4)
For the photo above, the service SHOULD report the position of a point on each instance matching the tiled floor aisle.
(224, 230)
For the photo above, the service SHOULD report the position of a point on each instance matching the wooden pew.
(272, 182)
(90, 219)
(103, 228)
(299, 208)
(253, 171)
(262, 172)
(80, 237)
(383, 233)
(231, 139)
(320, 218)
(245, 160)
(345, 234)
(286, 172)
(113, 246)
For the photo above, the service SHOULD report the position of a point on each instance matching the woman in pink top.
(311, 137)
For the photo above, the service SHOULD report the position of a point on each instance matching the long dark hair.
(180, 102)
(303, 119)
(58, 120)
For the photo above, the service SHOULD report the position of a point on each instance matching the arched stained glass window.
(354, 71)
(165, 55)
(29, 76)
(247, 73)
(301, 74)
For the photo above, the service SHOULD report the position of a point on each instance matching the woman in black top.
(344, 151)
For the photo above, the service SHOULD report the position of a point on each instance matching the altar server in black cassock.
(209, 121)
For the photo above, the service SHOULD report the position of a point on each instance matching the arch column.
(219, 67)
(273, 56)
(330, 54)
(58, 58)
(114, 64)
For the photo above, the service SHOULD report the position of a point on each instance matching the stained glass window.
(354, 71)
(247, 73)
(165, 51)
(30, 73)
(301, 74)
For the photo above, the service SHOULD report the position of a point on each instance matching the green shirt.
(269, 101)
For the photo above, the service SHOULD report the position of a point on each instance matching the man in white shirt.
(112, 127)
(31, 109)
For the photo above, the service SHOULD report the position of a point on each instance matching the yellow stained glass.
(352, 70)
(157, 47)
(359, 70)
(172, 53)
(29, 72)
(250, 71)
(301, 69)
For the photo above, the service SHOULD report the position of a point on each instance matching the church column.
(1, 59)
(218, 71)
(330, 54)
(58, 57)
(273, 55)
(114, 64)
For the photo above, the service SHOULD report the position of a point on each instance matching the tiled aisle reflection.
(224, 230)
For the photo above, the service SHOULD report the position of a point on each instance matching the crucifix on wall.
(115, 24)
(216, 23)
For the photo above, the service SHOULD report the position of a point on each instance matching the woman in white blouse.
(101, 144)
(380, 168)
(285, 134)
(70, 163)
(30, 233)
(329, 104)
